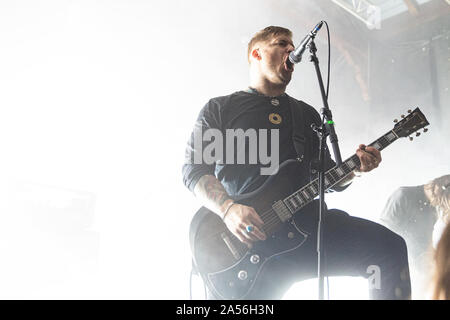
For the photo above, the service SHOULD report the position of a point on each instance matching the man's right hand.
(238, 218)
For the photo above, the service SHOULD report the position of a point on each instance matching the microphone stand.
(326, 129)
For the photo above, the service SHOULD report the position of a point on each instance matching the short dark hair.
(265, 34)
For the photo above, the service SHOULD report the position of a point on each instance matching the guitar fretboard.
(309, 192)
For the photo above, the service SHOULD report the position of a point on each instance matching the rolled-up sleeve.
(194, 167)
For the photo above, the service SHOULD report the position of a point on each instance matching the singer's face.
(274, 54)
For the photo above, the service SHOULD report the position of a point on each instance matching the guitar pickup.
(230, 245)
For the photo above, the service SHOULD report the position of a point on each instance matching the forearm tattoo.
(209, 188)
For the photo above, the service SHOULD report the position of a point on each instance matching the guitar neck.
(334, 176)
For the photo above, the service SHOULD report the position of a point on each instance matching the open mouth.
(288, 65)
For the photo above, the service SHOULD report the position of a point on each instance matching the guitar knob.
(425, 130)
(409, 111)
(395, 120)
(417, 134)
(402, 115)
(255, 259)
(411, 138)
(242, 275)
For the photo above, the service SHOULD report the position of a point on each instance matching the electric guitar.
(228, 267)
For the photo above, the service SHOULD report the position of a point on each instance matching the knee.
(398, 240)
(395, 243)
(338, 212)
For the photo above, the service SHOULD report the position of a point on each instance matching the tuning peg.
(395, 120)
(411, 138)
(402, 115)
(425, 130)
(417, 134)
(409, 110)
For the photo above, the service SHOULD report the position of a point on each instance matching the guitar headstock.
(413, 122)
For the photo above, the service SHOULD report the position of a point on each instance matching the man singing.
(352, 245)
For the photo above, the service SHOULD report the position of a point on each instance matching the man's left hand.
(369, 157)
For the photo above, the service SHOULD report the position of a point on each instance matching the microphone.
(296, 55)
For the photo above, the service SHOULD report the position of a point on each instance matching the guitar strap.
(298, 128)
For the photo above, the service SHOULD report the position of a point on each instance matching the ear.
(255, 54)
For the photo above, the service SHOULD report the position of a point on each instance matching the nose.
(290, 48)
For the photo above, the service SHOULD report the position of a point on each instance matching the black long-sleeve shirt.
(249, 110)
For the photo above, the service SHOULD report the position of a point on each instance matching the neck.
(267, 88)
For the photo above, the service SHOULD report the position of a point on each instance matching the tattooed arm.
(236, 216)
(212, 194)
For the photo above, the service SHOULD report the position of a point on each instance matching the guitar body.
(227, 266)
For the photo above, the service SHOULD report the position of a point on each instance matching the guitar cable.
(190, 285)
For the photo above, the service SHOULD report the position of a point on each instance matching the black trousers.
(353, 247)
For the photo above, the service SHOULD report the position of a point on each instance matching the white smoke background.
(97, 101)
